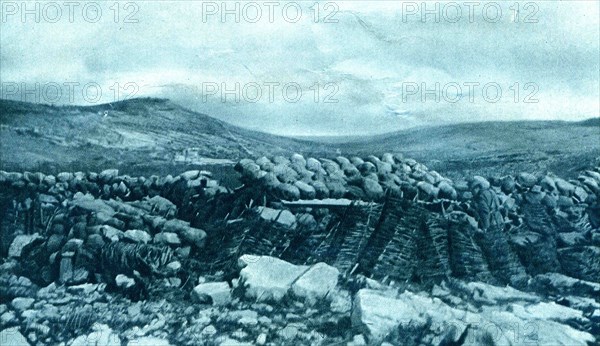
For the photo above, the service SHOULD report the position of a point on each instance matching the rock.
(548, 184)
(167, 238)
(367, 168)
(283, 217)
(306, 191)
(8, 318)
(359, 340)
(388, 158)
(108, 175)
(298, 159)
(72, 245)
(20, 242)
(285, 173)
(191, 235)
(591, 184)
(270, 181)
(48, 199)
(495, 295)
(331, 167)
(148, 341)
(316, 283)
(564, 201)
(550, 201)
(123, 281)
(64, 177)
(321, 190)
(564, 187)
(137, 236)
(336, 188)
(261, 339)
(209, 330)
(174, 266)
(355, 193)
(507, 184)
(594, 175)
(34, 178)
(548, 311)
(244, 317)
(111, 233)
(219, 292)
(291, 331)
(121, 189)
(307, 221)
(190, 175)
(377, 315)
(580, 194)
(21, 304)
(265, 164)
(352, 174)
(313, 165)
(356, 161)
(427, 191)
(287, 192)
(481, 181)
(194, 236)
(446, 191)
(89, 204)
(102, 335)
(341, 302)
(13, 337)
(251, 171)
(162, 206)
(268, 278)
(526, 179)
(50, 180)
(373, 191)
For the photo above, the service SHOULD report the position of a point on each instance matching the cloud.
(364, 61)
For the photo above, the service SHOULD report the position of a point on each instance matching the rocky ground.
(373, 250)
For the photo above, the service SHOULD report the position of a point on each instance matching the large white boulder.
(378, 315)
(20, 242)
(12, 337)
(317, 283)
(268, 278)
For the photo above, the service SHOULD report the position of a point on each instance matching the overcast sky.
(369, 61)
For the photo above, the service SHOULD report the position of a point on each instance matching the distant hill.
(139, 135)
(150, 135)
(494, 148)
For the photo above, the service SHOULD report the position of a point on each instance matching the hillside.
(493, 148)
(144, 135)
(150, 136)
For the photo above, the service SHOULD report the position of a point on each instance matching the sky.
(311, 68)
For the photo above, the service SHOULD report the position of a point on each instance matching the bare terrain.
(150, 136)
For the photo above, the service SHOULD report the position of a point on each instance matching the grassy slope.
(495, 148)
(142, 136)
(138, 136)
